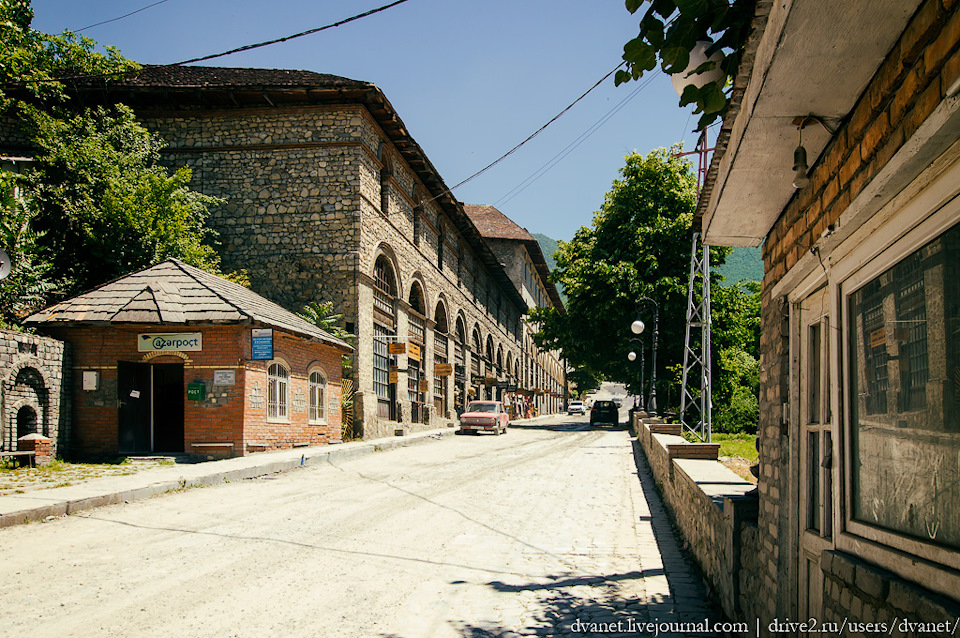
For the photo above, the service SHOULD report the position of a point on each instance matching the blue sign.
(261, 344)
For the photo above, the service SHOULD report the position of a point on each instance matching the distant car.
(576, 407)
(484, 416)
(604, 412)
(618, 401)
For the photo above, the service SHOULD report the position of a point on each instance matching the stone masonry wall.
(34, 377)
(311, 197)
(711, 523)
(289, 184)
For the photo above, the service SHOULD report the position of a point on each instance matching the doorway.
(816, 449)
(151, 400)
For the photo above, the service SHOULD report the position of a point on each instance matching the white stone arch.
(385, 251)
(440, 312)
(417, 284)
(39, 400)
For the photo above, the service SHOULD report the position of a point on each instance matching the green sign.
(196, 391)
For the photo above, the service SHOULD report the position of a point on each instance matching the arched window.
(318, 397)
(384, 331)
(440, 345)
(278, 395)
(417, 335)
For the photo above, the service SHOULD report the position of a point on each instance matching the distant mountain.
(548, 246)
(743, 264)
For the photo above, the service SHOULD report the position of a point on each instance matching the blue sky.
(470, 79)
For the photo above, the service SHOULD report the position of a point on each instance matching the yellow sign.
(442, 369)
(392, 376)
(414, 351)
(878, 338)
(424, 385)
(397, 348)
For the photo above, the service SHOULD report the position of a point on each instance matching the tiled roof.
(210, 76)
(493, 224)
(175, 293)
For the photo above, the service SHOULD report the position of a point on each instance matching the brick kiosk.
(174, 359)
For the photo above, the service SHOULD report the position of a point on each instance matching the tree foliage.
(105, 205)
(668, 32)
(96, 203)
(736, 370)
(33, 62)
(638, 246)
(25, 289)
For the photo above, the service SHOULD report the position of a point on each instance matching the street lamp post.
(637, 327)
(632, 356)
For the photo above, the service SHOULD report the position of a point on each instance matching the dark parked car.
(604, 412)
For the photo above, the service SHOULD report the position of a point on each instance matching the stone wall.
(708, 504)
(34, 377)
(312, 196)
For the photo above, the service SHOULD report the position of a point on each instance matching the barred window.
(903, 339)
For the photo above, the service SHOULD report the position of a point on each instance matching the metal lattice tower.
(696, 399)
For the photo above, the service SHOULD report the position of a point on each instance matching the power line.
(126, 15)
(572, 146)
(291, 37)
(535, 133)
(247, 47)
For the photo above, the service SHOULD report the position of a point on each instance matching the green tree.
(736, 329)
(638, 246)
(105, 205)
(26, 286)
(99, 199)
(32, 62)
(322, 315)
(670, 29)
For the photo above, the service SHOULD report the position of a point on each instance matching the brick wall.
(908, 86)
(227, 414)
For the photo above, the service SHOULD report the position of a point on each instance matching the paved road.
(546, 530)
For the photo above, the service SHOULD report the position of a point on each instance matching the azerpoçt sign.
(174, 341)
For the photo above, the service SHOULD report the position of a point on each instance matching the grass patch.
(741, 445)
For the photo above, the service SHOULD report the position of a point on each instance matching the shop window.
(903, 344)
(278, 392)
(318, 397)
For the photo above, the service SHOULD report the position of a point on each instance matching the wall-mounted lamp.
(800, 168)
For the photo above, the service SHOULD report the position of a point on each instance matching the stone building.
(523, 260)
(174, 359)
(327, 197)
(859, 440)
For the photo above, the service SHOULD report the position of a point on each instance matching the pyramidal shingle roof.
(175, 293)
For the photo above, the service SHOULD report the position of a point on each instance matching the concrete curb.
(69, 500)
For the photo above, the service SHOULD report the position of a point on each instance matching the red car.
(485, 416)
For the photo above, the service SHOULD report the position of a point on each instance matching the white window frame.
(278, 392)
(906, 224)
(317, 410)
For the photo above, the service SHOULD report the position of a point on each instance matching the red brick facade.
(230, 420)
